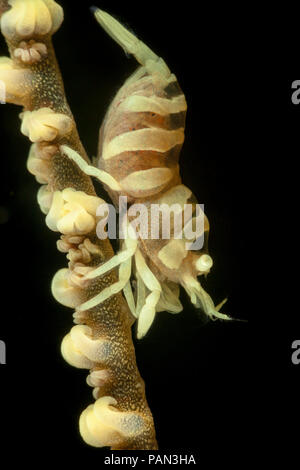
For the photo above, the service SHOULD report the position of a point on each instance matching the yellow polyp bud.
(79, 255)
(45, 124)
(102, 424)
(95, 433)
(39, 167)
(44, 197)
(96, 393)
(67, 242)
(80, 349)
(78, 317)
(76, 220)
(97, 350)
(98, 378)
(72, 356)
(31, 17)
(63, 291)
(73, 212)
(90, 203)
(30, 52)
(55, 211)
(15, 82)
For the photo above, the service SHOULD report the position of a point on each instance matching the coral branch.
(101, 340)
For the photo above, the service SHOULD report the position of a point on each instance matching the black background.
(209, 386)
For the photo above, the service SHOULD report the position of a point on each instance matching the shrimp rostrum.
(139, 147)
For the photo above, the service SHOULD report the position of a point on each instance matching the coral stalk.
(101, 340)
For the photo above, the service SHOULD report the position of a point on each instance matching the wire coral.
(101, 339)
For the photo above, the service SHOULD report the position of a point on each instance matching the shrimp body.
(167, 246)
(139, 146)
(142, 135)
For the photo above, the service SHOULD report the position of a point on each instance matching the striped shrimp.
(139, 147)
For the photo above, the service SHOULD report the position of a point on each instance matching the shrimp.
(138, 158)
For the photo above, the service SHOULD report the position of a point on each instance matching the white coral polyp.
(64, 291)
(73, 212)
(80, 349)
(44, 197)
(31, 17)
(102, 424)
(45, 124)
(98, 378)
(96, 433)
(37, 166)
(14, 82)
(96, 350)
(30, 52)
(73, 356)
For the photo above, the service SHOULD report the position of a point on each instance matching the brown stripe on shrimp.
(159, 140)
(173, 89)
(129, 163)
(128, 121)
(140, 109)
(143, 131)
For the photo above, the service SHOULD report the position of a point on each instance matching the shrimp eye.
(204, 263)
